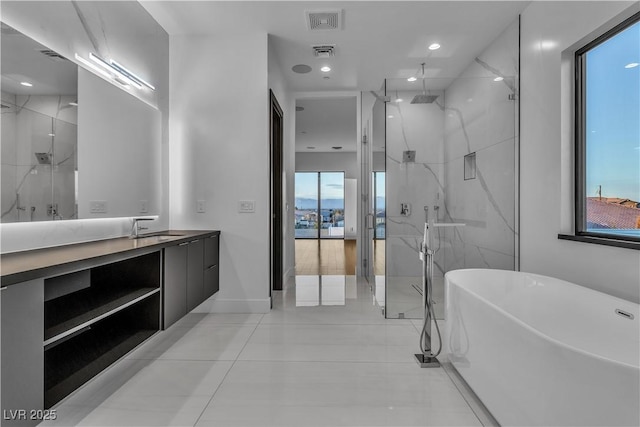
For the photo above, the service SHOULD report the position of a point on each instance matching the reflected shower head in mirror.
(43, 158)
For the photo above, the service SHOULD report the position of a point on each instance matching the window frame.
(580, 108)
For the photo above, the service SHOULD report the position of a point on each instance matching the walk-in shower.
(474, 113)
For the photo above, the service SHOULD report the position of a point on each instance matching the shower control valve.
(405, 209)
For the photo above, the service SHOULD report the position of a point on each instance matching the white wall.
(123, 30)
(219, 134)
(288, 104)
(549, 28)
(328, 162)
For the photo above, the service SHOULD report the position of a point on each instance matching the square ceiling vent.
(324, 20)
(324, 50)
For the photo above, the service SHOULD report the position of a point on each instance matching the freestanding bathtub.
(539, 351)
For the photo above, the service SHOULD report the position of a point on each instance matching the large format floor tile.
(324, 356)
(335, 393)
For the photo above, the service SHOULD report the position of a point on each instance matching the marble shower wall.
(481, 118)
(27, 123)
(419, 128)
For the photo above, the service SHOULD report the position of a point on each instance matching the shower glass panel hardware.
(319, 204)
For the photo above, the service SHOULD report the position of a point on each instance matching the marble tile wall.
(473, 115)
(481, 118)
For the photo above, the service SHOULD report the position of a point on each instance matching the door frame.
(276, 235)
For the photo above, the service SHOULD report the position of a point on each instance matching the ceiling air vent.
(324, 50)
(324, 20)
(52, 55)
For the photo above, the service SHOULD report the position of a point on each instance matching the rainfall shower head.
(43, 158)
(423, 98)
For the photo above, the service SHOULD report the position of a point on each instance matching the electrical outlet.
(201, 206)
(144, 206)
(98, 206)
(246, 206)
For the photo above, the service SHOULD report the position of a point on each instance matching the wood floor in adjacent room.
(337, 256)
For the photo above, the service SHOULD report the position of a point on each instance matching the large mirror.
(74, 145)
(39, 131)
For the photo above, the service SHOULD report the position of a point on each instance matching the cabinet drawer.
(211, 251)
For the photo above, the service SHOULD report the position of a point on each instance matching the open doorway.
(326, 175)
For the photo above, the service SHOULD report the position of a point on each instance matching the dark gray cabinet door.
(22, 351)
(195, 274)
(175, 283)
(211, 260)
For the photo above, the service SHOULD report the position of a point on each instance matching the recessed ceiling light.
(337, 148)
(52, 134)
(631, 65)
(389, 116)
(399, 100)
(73, 104)
(498, 79)
(27, 84)
(434, 46)
(325, 69)
(301, 69)
(412, 79)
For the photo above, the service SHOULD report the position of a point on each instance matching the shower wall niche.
(474, 115)
(39, 157)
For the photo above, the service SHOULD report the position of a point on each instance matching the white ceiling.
(23, 61)
(379, 40)
(326, 123)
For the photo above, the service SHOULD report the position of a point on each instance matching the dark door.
(276, 132)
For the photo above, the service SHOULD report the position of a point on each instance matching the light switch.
(201, 206)
(144, 206)
(247, 206)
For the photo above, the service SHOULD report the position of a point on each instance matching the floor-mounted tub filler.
(540, 351)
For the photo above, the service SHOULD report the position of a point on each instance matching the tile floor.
(303, 364)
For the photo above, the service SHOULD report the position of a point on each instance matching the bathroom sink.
(159, 237)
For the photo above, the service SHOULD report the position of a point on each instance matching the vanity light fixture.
(118, 74)
(131, 74)
(434, 46)
(114, 71)
(27, 84)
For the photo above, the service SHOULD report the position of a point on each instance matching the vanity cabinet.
(69, 312)
(195, 274)
(191, 275)
(211, 268)
(175, 284)
(95, 316)
(22, 356)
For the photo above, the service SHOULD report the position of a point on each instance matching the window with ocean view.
(319, 210)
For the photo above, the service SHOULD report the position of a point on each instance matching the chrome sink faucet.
(136, 228)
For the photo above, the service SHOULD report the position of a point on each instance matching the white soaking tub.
(539, 351)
